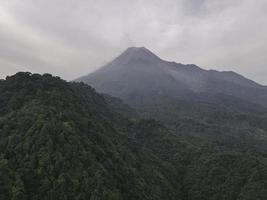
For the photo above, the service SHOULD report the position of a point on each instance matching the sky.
(70, 38)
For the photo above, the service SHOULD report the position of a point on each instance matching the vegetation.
(61, 140)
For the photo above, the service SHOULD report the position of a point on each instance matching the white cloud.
(72, 37)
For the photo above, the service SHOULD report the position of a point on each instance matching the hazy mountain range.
(146, 82)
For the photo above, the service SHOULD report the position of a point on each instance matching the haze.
(71, 38)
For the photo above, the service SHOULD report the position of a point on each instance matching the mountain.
(144, 81)
(63, 140)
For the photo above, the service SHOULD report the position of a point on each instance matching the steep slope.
(135, 72)
(61, 140)
(139, 77)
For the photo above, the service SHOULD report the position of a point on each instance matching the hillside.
(61, 140)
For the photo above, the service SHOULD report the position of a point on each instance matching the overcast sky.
(70, 38)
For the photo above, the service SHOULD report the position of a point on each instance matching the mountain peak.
(137, 49)
(137, 53)
(133, 48)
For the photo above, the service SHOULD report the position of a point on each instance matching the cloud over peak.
(73, 37)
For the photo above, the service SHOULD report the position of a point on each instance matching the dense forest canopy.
(63, 140)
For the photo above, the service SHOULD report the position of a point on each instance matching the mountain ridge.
(139, 72)
(144, 53)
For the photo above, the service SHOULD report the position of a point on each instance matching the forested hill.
(61, 140)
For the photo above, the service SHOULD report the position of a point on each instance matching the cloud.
(70, 38)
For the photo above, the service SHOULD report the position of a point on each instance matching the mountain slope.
(147, 82)
(61, 140)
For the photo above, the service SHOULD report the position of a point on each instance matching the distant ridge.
(139, 72)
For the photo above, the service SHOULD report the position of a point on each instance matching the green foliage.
(61, 140)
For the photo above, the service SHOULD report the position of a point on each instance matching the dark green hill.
(61, 140)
